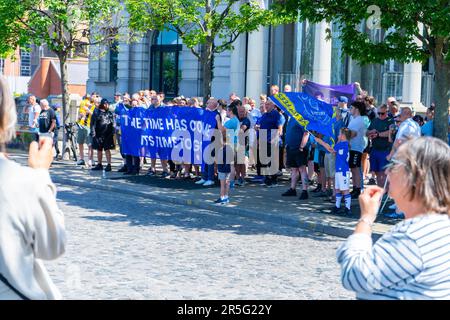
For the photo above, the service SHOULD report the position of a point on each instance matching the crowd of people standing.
(364, 139)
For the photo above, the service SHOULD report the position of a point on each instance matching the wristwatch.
(366, 220)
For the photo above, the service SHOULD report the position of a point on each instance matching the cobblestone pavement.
(124, 247)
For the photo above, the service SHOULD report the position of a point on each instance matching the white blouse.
(31, 230)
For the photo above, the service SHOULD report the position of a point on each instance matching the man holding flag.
(312, 115)
(297, 152)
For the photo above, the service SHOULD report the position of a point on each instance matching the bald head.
(212, 104)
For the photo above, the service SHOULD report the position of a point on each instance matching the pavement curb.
(302, 223)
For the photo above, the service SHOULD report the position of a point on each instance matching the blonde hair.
(427, 168)
(8, 114)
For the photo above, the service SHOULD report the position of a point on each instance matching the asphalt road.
(125, 247)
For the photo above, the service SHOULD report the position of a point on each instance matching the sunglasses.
(381, 113)
(393, 164)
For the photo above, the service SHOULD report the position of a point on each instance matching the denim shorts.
(223, 175)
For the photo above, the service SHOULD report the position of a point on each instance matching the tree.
(404, 21)
(62, 25)
(206, 27)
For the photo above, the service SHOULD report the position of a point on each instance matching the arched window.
(165, 52)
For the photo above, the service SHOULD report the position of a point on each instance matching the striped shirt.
(412, 261)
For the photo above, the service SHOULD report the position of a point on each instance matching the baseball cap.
(343, 99)
(117, 94)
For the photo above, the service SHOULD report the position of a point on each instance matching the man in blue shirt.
(270, 121)
(297, 152)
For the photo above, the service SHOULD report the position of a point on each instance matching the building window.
(2, 66)
(25, 63)
(165, 52)
(113, 61)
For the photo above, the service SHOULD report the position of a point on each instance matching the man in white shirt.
(408, 129)
(358, 143)
(33, 113)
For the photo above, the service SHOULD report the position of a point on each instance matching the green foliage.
(59, 24)
(400, 17)
(199, 21)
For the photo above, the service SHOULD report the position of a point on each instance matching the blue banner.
(312, 114)
(170, 133)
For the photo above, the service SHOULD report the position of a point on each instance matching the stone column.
(412, 79)
(255, 64)
(237, 67)
(322, 55)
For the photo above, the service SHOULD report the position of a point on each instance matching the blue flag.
(169, 133)
(312, 114)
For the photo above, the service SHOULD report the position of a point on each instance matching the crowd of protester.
(365, 138)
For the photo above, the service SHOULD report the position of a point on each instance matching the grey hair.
(8, 114)
(44, 102)
(427, 167)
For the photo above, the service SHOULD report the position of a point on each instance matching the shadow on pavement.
(140, 212)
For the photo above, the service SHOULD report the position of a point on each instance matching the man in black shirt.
(47, 118)
(102, 131)
(378, 133)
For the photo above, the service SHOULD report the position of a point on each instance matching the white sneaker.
(393, 206)
(208, 183)
(200, 181)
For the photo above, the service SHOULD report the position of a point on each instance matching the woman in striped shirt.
(412, 261)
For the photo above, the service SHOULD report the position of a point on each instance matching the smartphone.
(45, 135)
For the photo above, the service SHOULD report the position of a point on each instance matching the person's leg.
(347, 198)
(233, 172)
(99, 156)
(227, 187)
(304, 177)
(356, 176)
(258, 161)
(209, 168)
(128, 163)
(164, 166)
(136, 164)
(222, 188)
(108, 156)
(55, 142)
(310, 170)
(323, 179)
(364, 165)
(81, 151)
(153, 165)
(91, 153)
(187, 169)
(171, 165)
(294, 178)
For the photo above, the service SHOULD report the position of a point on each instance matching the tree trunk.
(65, 98)
(441, 92)
(207, 70)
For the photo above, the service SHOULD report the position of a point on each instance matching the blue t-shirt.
(232, 127)
(294, 134)
(342, 157)
(270, 121)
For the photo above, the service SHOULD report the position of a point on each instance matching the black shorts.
(103, 143)
(355, 159)
(296, 158)
(321, 159)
